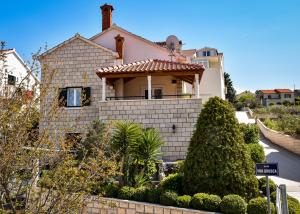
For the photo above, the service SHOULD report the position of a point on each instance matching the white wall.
(134, 49)
(14, 66)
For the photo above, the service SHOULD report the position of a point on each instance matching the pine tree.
(218, 161)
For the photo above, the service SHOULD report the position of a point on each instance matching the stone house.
(117, 75)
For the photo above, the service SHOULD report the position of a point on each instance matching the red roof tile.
(150, 66)
(283, 91)
(268, 91)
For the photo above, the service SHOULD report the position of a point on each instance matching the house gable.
(136, 48)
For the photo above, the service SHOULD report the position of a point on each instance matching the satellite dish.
(173, 43)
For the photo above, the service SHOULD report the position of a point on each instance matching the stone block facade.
(117, 206)
(174, 118)
(74, 64)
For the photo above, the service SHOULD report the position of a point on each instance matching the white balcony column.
(149, 87)
(197, 86)
(103, 89)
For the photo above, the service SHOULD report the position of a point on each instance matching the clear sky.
(260, 39)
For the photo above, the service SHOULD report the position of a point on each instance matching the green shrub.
(126, 192)
(257, 152)
(184, 201)
(140, 194)
(293, 205)
(233, 204)
(152, 195)
(273, 197)
(172, 182)
(250, 133)
(218, 161)
(111, 190)
(212, 203)
(197, 201)
(263, 185)
(203, 201)
(259, 206)
(169, 198)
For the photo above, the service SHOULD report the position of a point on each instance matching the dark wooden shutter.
(62, 98)
(86, 92)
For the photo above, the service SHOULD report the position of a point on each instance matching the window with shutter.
(86, 100)
(62, 98)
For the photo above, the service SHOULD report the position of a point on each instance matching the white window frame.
(73, 103)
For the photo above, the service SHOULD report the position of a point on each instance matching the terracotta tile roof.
(283, 91)
(276, 91)
(150, 66)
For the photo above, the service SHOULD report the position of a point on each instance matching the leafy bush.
(169, 198)
(250, 133)
(233, 204)
(111, 190)
(197, 201)
(293, 205)
(259, 206)
(203, 201)
(273, 197)
(257, 152)
(172, 182)
(140, 194)
(218, 161)
(152, 195)
(184, 201)
(126, 192)
(263, 185)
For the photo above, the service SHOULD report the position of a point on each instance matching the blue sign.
(265, 169)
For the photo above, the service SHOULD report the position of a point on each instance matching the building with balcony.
(275, 96)
(117, 75)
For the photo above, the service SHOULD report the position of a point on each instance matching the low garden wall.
(117, 206)
(283, 140)
(174, 118)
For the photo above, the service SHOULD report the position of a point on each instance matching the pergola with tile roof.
(191, 73)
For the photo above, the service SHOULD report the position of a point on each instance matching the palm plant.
(125, 134)
(147, 148)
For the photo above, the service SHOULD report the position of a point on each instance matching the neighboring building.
(297, 93)
(117, 75)
(275, 96)
(213, 62)
(15, 74)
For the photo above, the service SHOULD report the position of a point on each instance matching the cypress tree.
(218, 161)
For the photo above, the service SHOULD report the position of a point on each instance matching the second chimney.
(106, 16)
(120, 46)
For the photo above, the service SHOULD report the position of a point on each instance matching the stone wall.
(283, 140)
(117, 206)
(162, 115)
(75, 63)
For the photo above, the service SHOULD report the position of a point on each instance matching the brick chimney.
(120, 46)
(106, 16)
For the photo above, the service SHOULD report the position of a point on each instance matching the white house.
(14, 73)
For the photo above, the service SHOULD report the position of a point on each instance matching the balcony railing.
(165, 96)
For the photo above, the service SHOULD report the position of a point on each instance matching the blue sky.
(259, 38)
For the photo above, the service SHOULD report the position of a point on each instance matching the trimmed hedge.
(172, 182)
(140, 194)
(204, 201)
(218, 161)
(233, 204)
(259, 206)
(293, 205)
(250, 133)
(257, 152)
(169, 198)
(184, 201)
